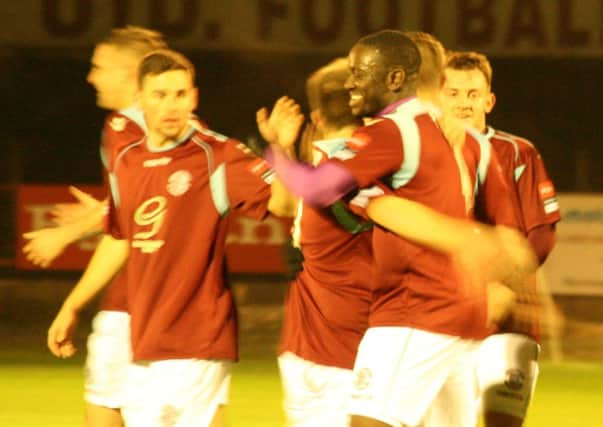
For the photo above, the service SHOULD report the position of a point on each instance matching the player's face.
(466, 95)
(167, 100)
(113, 75)
(366, 83)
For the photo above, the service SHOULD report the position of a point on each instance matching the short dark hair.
(326, 92)
(433, 57)
(160, 61)
(396, 49)
(139, 40)
(470, 61)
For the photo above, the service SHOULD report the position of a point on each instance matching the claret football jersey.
(414, 286)
(326, 308)
(171, 204)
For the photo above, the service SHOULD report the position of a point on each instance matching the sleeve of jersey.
(539, 203)
(372, 152)
(248, 180)
(494, 198)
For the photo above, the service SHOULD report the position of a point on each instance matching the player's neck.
(158, 140)
(429, 95)
(125, 102)
(340, 132)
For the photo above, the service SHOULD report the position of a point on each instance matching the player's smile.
(356, 101)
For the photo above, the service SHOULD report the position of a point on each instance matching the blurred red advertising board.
(251, 246)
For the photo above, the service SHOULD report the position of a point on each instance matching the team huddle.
(421, 229)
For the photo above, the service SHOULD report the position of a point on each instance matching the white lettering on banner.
(40, 218)
(497, 27)
(575, 267)
(249, 231)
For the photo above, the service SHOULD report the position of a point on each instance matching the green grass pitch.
(48, 392)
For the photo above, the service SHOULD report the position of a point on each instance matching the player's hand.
(500, 302)
(45, 245)
(497, 254)
(283, 124)
(60, 333)
(68, 213)
(518, 261)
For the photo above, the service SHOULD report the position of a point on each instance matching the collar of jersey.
(395, 105)
(489, 132)
(134, 113)
(174, 144)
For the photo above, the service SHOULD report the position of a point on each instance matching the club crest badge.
(118, 124)
(515, 379)
(363, 378)
(179, 182)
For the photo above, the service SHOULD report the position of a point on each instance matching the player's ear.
(316, 118)
(490, 101)
(395, 79)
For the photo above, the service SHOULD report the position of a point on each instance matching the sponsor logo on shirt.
(151, 163)
(118, 124)
(261, 168)
(245, 149)
(344, 154)
(551, 205)
(179, 182)
(546, 190)
(149, 216)
(358, 142)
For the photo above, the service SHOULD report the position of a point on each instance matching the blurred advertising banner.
(251, 246)
(575, 267)
(496, 27)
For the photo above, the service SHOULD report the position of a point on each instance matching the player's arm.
(542, 239)
(45, 245)
(286, 114)
(502, 250)
(371, 152)
(109, 257)
(539, 205)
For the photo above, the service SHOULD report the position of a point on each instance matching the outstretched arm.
(486, 252)
(46, 244)
(281, 126)
(108, 259)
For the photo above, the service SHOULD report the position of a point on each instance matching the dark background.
(51, 125)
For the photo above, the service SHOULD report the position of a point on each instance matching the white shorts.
(314, 395)
(507, 369)
(108, 358)
(405, 376)
(176, 393)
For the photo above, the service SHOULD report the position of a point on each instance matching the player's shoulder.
(222, 147)
(523, 145)
(374, 129)
(208, 136)
(126, 121)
